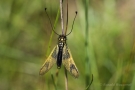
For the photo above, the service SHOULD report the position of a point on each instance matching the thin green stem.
(54, 82)
(87, 66)
(66, 80)
(62, 20)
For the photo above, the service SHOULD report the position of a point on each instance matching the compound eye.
(59, 39)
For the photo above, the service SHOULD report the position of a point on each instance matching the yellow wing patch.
(69, 63)
(50, 61)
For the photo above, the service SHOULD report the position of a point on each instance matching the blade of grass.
(54, 82)
(131, 59)
(129, 67)
(133, 83)
(115, 79)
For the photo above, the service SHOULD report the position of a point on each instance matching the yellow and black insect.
(60, 54)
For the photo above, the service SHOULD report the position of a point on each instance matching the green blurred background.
(25, 32)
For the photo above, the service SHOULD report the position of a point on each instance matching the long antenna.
(50, 22)
(73, 23)
(67, 19)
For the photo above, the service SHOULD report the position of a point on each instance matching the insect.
(61, 54)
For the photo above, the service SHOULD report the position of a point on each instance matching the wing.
(68, 62)
(50, 61)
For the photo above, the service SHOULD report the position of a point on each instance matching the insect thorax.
(61, 41)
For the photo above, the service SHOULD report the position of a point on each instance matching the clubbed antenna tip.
(45, 9)
(76, 12)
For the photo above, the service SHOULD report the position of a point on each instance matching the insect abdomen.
(59, 59)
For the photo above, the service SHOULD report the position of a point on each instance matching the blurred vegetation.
(25, 32)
